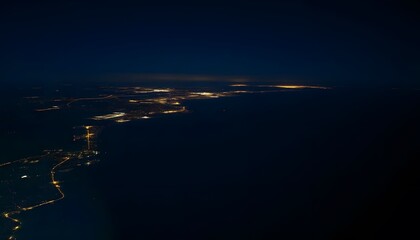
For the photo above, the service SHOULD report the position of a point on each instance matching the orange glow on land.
(109, 116)
(88, 135)
(122, 120)
(162, 90)
(48, 109)
(299, 87)
(239, 85)
(183, 109)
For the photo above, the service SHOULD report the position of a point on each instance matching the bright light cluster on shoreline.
(113, 105)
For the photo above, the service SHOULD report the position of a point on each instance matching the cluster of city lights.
(112, 105)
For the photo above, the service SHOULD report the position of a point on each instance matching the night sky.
(317, 138)
(361, 43)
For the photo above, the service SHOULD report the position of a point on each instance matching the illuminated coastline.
(110, 105)
(62, 157)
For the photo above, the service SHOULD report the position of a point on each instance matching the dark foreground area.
(305, 164)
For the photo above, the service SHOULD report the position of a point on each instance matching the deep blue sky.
(339, 43)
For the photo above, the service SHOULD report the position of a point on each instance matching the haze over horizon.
(251, 120)
(359, 43)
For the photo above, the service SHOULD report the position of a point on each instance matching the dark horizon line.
(191, 78)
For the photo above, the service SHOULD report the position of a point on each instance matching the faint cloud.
(184, 77)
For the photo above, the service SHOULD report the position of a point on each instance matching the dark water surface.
(304, 164)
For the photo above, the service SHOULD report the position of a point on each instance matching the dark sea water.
(305, 164)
